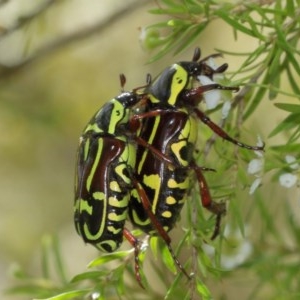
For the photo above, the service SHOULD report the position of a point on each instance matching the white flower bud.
(287, 180)
(255, 166)
(212, 97)
(226, 109)
(255, 184)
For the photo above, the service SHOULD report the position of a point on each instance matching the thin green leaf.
(154, 245)
(108, 257)
(179, 24)
(67, 295)
(293, 61)
(274, 73)
(203, 261)
(255, 102)
(268, 218)
(195, 9)
(253, 56)
(280, 37)
(172, 8)
(183, 240)
(223, 14)
(236, 212)
(118, 276)
(189, 39)
(295, 135)
(290, 8)
(203, 290)
(278, 17)
(164, 11)
(159, 25)
(171, 3)
(163, 51)
(292, 224)
(32, 289)
(294, 83)
(264, 13)
(168, 259)
(293, 108)
(58, 260)
(172, 287)
(89, 276)
(234, 53)
(286, 148)
(255, 30)
(287, 124)
(273, 91)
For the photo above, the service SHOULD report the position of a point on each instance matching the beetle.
(170, 126)
(104, 176)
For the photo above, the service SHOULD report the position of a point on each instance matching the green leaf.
(293, 108)
(287, 124)
(290, 8)
(188, 39)
(168, 259)
(67, 295)
(172, 288)
(118, 276)
(58, 260)
(108, 257)
(255, 102)
(89, 276)
(295, 135)
(274, 74)
(255, 30)
(36, 288)
(294, 83)
(203, 290)
(154, 245)
(286, 148)
(168, 45)
(293, 61)
(172, 8)
(223, 14)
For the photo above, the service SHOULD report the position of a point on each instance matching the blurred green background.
(56, 70)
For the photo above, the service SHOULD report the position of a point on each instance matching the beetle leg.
(134, 242)
(156, 152)
(218, 209)
(220, 132)
(160, 230)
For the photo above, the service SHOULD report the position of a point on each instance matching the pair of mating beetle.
(135, 159)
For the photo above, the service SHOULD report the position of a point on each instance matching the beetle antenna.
(122, 81)
(197, 54)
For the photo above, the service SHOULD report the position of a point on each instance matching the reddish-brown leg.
(194, 96)
(135, 244)
(156, 152)
(160, 230)
(220, 132)
(217, 208)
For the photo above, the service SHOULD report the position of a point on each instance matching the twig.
(24, 20)
(72, 38)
